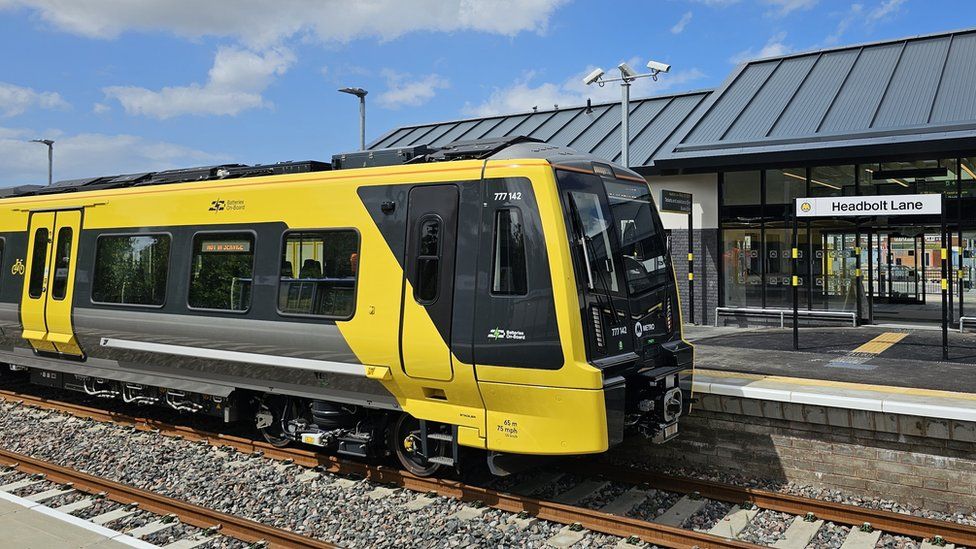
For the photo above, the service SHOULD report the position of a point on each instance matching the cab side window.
(508, 272)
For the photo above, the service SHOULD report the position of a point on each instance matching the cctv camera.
(593, 76)
(626, 71)
(659, 67)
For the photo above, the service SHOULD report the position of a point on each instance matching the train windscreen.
(642, 244)
(618, 223)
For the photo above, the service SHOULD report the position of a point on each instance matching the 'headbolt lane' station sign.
(850, 206)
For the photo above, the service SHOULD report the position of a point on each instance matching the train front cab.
(624, 365)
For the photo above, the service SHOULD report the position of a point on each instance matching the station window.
(428, 260)
(318, 273)
(742, 189)
(967, 172)
(221, 271)
(35, 286)
(62, 260)
(131, 270)
(832, 181)
(784, 186)
(508, 273)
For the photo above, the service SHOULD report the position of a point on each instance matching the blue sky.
(156, 84)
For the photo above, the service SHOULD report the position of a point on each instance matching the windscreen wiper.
(587, 244)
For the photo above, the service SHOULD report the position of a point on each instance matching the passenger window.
(318, 273)
(221, 270)
(38, 263)
(428, 260)
(508, 276)
(131, 270)
(62, 260)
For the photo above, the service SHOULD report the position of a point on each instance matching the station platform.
(885, 369)
(29, 525)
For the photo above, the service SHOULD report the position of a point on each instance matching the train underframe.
(642, 405)
(423, 448)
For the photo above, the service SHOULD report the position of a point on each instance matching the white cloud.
(679, 27)
(89, 155)
(405, 91)
(863, 18)
(775, 46)
(260, 23)
(854, 14)
(884, 9)
(782, 8)
(717, 3)
(524, 94)
(16, 100)
(235, 83)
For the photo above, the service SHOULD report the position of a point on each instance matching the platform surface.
(914, 361)
(28, 525)
(877, 368)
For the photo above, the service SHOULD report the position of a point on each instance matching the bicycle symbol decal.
(18, 267)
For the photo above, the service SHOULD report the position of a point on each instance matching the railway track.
(213, 524)
(562, 507)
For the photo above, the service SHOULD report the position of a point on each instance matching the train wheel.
(269, 419)
(406, 444)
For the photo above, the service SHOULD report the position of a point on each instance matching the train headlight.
(598, 327)
(667, 316)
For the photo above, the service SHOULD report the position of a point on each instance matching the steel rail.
(194, 515)
(658, 534)
(886, 521)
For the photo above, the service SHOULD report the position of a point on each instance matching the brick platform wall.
(705, 242)
(908, 459)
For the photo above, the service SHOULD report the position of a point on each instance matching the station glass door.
(900, 273)
(834, 271)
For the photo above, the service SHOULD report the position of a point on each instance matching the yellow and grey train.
(504, 295)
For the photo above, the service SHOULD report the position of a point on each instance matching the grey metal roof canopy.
(654, 125)
(913, 95)
(902, 96)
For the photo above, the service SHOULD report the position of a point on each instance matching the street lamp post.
(50, 157)
(627, 75)
(361, 94)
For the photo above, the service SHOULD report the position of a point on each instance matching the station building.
(886, 118)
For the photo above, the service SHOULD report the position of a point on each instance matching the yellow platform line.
(891, 389)
(881, 343)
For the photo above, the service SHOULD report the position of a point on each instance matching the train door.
(428, 299)
(49, 281)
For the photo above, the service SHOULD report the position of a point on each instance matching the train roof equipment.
(459, 150)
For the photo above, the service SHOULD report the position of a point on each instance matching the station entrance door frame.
(810, 208)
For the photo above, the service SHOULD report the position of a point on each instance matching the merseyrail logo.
(17, 268)
(225, 205)
(498, 333)
(805, 207)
